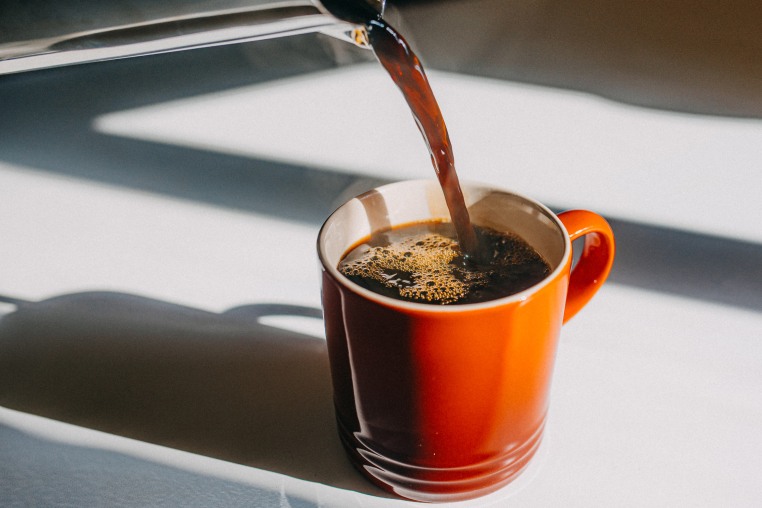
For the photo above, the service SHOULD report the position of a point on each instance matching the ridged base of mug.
(433, 485)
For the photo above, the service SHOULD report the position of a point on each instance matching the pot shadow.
(224, 385)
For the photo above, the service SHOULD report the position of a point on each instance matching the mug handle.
(594, 265)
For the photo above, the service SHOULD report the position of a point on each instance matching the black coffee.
(423, 263)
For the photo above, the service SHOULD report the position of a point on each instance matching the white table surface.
(154, 355)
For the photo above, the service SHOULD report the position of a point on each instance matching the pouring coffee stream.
(405, 69)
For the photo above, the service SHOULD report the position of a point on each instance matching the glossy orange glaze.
(597, 257)
(440, 406)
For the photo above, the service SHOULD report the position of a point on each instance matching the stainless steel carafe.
(37, 34)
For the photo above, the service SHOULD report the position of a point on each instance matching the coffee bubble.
(419, 267)
(422, 262)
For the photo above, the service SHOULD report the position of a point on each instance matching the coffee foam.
(419, 267)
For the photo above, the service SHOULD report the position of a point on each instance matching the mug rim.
(451, 308)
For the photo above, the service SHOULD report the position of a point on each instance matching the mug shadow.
(220, 385)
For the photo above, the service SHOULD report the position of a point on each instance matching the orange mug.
(448, 402)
